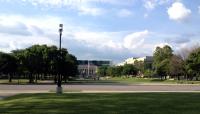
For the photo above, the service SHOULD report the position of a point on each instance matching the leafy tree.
(176, 66)
(139, 65)
(110, 71)
(161, 59)
(118, 71)
(193, 64)
(8, 65)
(148, 73)
(102, 71)
(129, 69)
(42, 60)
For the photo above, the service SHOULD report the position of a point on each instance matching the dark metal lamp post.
(59, 82)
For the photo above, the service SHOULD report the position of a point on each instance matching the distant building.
(148, 60)
(88, 68)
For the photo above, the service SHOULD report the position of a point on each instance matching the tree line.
(116, 71)
(185, 65)
(38, 62)
(182, 65)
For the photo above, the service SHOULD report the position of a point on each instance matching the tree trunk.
(36, 78)
(55, 79)
(65, 78)
(197, 79)
(30, 78)
(178, 78)
(10, 77)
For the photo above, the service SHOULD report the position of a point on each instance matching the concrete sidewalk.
(8, 90)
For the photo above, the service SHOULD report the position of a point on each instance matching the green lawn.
(115, 80)
(14, 81)
(150, 81)
(126, 103)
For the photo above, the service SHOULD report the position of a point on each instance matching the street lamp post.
(59, 82)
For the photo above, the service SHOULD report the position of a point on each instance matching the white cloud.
(178, 12)
(107, 39)
(199, 9)
(124, 13)
(151, 4)
(98, 39)
(90, 11)
(136, 39)
(83, 7)
(20, 32)
(161, 45)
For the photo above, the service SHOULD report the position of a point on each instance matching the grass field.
(126, 103)
(150, 81)
(16, 81)
(115, 80)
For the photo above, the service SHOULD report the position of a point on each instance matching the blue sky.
(101, 29)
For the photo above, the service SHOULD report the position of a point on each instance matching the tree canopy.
(39, 60)
(193, 63)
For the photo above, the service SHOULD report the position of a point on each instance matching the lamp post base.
(59, 90)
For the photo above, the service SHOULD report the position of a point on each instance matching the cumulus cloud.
(124, 13)
(43, 30)
(161, 45)
(85, 43)
(19, 32)
(134, 40)
(178, 12)
(15, 29)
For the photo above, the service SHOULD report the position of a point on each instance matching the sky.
(101, 29)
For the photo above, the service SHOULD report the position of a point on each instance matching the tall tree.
(129, 69)
(176, 66)
(8, 65)
(193, 64)
(161, 59)
(40, 60)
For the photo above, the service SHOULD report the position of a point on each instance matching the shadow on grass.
(72, 82)
(148, 103)
(157, 80)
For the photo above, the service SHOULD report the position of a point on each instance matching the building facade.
(88, 68)
(148, 60)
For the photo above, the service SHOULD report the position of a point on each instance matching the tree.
(110, 71)
(129, 69)
(118, 71)
(176, 66)
(40, 60)
(193, 64)
(102, 71)
(8, 65)
(148, 73)
(161, 59)
(139, 65)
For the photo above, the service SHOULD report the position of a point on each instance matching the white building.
(132, 60)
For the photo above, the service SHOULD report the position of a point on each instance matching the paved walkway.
(108, 88)
(9, 90)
